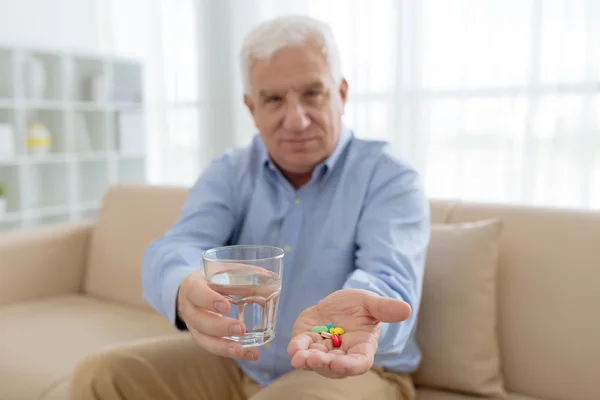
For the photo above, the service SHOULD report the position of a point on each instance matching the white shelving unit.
(92, 106)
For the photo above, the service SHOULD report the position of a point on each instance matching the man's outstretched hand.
(359, 313)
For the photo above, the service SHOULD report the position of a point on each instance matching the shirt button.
(297, 201)
(287, 248)
(267, 375)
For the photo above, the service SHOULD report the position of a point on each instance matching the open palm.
(359, 313)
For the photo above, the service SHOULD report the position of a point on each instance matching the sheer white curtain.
(175, 103)
(493, 100)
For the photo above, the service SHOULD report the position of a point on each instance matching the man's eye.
(313, 93)
(273, 99)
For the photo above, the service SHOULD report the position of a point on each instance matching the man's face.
(296, 107)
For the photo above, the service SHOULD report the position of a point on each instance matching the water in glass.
(253, 293)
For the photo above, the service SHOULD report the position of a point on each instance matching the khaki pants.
(175, 368)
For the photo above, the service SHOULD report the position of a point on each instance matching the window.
(493, 100)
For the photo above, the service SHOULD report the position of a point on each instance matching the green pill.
(319, 329)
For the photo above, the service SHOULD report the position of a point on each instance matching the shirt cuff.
(170, 290)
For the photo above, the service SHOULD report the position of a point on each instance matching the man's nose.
(295, 117)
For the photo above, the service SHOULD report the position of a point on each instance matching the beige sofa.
(67, 291)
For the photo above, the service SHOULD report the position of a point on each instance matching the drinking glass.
(249, 277)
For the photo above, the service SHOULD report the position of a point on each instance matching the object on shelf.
(38, 138)
(7, 142)
(129, 133)
(34, 77)
(96, 91)
(3, 201)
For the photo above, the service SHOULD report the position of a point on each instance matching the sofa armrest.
(44, 261)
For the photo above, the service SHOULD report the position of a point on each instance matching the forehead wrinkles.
(315, 83)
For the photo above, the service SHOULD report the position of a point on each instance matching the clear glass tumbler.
(249, 276)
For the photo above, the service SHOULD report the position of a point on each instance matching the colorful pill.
(332, 331)
(330, 326)
(336, 340)
(339, 331)
(319, 329)
(325, 335)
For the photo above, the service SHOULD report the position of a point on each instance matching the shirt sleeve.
(206, 221)
(392, 238)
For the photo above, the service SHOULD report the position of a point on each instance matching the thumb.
(385, 309)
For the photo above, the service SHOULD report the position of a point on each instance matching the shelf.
(49, 211)
(48, 186)
(7, 116)
(128, 131)
(93, 180)
(54, 121)
(37, 159)
(93, 107)
(88, 83)
(87, 215)
(132, 170)
(9, 179)
(42, 105)
(90, 132)
(41, 76)
(9, 225)
(55, 219)
(88, 210)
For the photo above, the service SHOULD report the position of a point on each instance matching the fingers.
(334, 364)
(201, 308)
(311, 359)
(224, 347)
(318, 346)
(351, 364)
(385, 309)
(213, 324)
(302, 342)
(197, 293)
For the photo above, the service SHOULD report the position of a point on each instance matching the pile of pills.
(330, 332)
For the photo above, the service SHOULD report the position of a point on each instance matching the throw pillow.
(457, 329)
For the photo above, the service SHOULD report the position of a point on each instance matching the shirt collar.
(326, 166)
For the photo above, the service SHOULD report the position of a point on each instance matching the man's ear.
(249, 103)
(344, 92)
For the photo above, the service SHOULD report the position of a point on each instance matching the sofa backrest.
(131, 216)
(549, 295)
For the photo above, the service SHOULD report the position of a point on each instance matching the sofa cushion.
(41, 341)
(457, 320)
(549, 291)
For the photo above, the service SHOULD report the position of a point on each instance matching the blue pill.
(330, 326)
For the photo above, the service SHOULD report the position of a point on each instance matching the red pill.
(336, 340)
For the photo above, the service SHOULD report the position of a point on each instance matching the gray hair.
(272, 35)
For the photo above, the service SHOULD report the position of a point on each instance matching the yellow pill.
(332, 331)
(339, 331)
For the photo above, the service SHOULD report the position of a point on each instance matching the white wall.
(113, 26)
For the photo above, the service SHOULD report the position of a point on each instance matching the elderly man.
(353, 220)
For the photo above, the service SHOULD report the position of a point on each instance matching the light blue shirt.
(361, 222)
